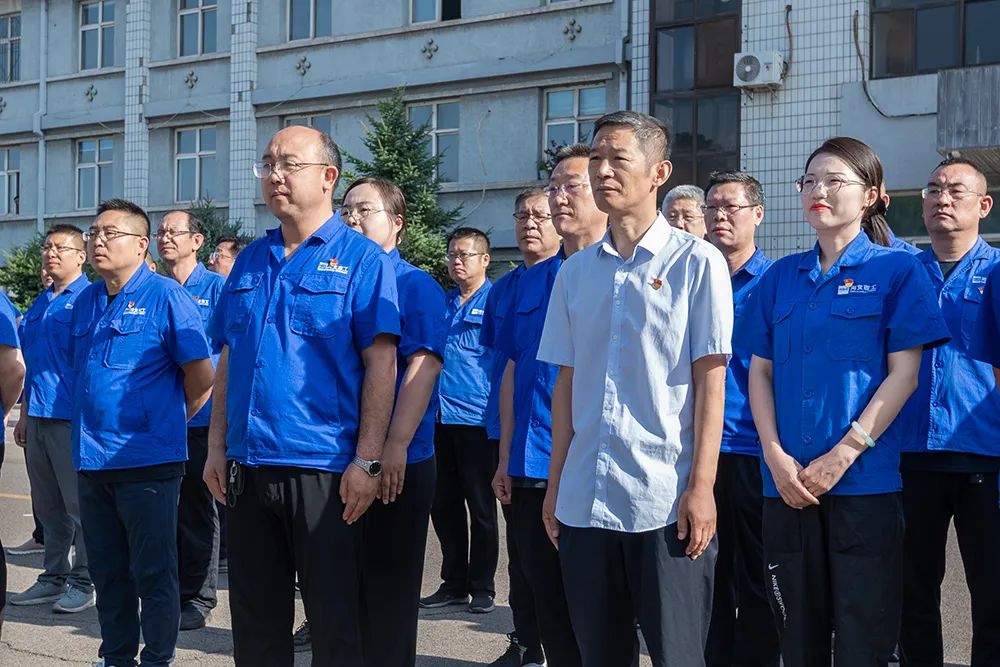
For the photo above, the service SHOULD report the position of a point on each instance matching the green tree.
(402, 154)
(20, 273)
(216, 225)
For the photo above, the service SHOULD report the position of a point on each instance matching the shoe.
(481, 604)
(442, 599)
(223, 566)
(40, 592)
(533, 657)
(28, 548)
(302, 639)
(511, 657)
(193, 618)
(74, 600)
(99, 663)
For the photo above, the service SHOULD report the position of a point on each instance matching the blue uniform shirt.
(497, 305)
(8, 330)
(829, 337)
(129, 409)
(956, 407)
(44, 335)
(531, 444)
(205, 287)
(295, 329)
(421, 306)
(985, 343)
(897, 243)
(739, 434)
(465, 376)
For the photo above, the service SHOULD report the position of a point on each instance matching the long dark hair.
(865, 162)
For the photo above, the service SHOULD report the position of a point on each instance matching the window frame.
(200, 10)
(562, 120)
(100, 26)
(13, 70)
(10, 176)
(312, 21)
(96, 166)
(310, 120)
(435, 132)
(197, 157)
(438, 12)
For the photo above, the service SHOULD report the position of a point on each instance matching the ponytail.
(875, 225)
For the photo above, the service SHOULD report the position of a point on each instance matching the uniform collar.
(81, 281)
(979, 250)
(454, 294)
(856, 252)
(137, 280)
(652, 241)
(326, 233)
(196, 276)
(755, 265)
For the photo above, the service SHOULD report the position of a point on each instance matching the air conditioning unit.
(758, 70)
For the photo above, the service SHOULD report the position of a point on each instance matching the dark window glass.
(675, 59)
(324, 18)
(713, 7)
(937, 38)
(209, 30)
(88, 49)
(674, 10)
(451, 10)
(709, 163)
(682, 174)
(107, 47)
(718, 123)
(717, 42)
(298, 19)
(189, 34)
(892, 38)
(677, 114)
(982, 19)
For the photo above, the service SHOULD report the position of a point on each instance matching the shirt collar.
(196, 276)
(138, 279)
(856, 252)
(81, 281)
(978, 250)
(652, 241)
(754, 265)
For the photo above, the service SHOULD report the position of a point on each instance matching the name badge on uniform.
(477, 311)
(69, 305)
(849, 287)
(130, 309)
(978, 280)
(201, 302)
(333, 266)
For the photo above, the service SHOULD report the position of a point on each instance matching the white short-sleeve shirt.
(630, 329)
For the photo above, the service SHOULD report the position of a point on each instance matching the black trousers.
(393, 546)
(540, 562)
(743, 632)
(520, 597)
(290, 520)
(3, 562)
(613, 578)
(930, 501)
(836, 565)
(197, 529)
(470, 539)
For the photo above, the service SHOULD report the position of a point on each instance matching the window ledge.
(190, 60)
(88, 74)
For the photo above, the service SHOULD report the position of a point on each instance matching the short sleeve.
(214, 297)
(488, 332)
(710, 309)
(216, 329)
(184, 333)
(985, 344)
(914, 318)
(423, 316)
(556, 346)
(8, 323)
(759, 322)
(505, 339)
(374, 300)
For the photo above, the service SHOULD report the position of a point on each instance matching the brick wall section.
(243, 187)
(137, 28)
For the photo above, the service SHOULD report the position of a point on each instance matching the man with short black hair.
(224, 255)
(142, 369)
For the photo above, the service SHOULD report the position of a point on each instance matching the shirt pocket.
(244, 292)
(527, 327)
(125, 342)
(782, 331)
(79, 341)
(855, 327)
(318, 309)
(971, 302)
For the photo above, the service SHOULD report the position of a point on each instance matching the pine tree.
(216, 226)
(401, 153)
(20, 274)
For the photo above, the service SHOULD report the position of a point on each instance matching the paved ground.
(33, 637)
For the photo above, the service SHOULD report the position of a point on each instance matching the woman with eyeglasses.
(395, 530)
(837, 335)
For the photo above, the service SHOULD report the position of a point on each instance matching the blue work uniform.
(465, 377)
(829, 337)
(205, 287)
(531, 444)
(739, 434)
(421, 306)
(296, 328)
(129, 406)
(497, 306)
(985, 343)
(44, 333)
(897, 243)
(8, 337)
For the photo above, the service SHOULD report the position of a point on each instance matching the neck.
(833, 241)
(576, 242)
(58, 285)
(182, 269)
(628, 228)
(467, 288)
(951, 247)
(737, 257)
(532, 258)
(294, 231)
(114, 281)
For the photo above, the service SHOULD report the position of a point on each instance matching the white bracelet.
(860, 430)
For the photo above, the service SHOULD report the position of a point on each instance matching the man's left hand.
(357, 491)
(696, 516)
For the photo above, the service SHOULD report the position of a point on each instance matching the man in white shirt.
(640, 325)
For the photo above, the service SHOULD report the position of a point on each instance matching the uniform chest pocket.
(855, 328)
(782, 331)
(318, 308)
(243, 292)
(971, 302)
(125, 341)
(79, 340)
(530, 318)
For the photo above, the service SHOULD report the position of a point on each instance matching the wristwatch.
(373, 468)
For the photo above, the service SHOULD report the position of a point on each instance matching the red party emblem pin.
(656, 283)
(131, 304)
(334, 262)
(848, 282)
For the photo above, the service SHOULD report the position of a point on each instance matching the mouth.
(819, 207)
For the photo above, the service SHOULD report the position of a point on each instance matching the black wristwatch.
(373, 468)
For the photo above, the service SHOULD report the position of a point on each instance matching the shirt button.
(812, 305)
(850, 310)
(255, 412)
(270, 320)
(807, 439)
(808, 348)
(808, 393)
(260, 364)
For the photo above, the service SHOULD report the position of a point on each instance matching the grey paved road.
(33, 637)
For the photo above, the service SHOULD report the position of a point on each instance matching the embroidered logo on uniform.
(202, 302)
(130, 309)
(476, 311)
(978, 280)
(656, 283)
(849, 287)
(69, 305)
(333, 266)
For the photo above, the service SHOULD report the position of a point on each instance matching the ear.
(985, 206)
(330, 177)
(197, 240)
(486, 260)
(661, 173)
(758, 215)
(871, 196)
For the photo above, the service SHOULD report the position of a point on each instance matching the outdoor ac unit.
(758, 70)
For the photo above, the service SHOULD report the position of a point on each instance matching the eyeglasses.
(464, 256)
(832, 185)
(106, 235)
(525, 215)
(728, 209)
(934, 192)
(216, 256)
(60, 249)
(359, 214)
(164, 234)
(284, 167)
(567, 188)
(674, 216)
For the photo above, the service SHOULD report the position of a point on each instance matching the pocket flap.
(323, 283)
(783, 309)
(972, 293)
(856, 307)
(128, 325)
(246, 282)
(530, 300)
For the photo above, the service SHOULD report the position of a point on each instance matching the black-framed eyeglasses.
(464, 256)
(106, 235)
(727, 209)
(524, 216)
(832, 185)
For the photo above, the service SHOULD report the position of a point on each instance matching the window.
(194, 164)
(435, 10)
(906, 217)
(94, 177)
(441, 119)
(310, 18)
(97, 34)
(919, 36)
(10, 48)
(692, 84)
(10, 181)
(570, 114)
(197, 27)
(322, 123)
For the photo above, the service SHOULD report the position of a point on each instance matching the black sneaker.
(510, 657)
(533, 657)
(193, 618)
(302, 639)
(482, 603)
(442, 599)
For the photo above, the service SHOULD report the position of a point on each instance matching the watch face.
(374, 468)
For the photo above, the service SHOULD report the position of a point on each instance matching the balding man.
(682, 209)
(304, 393)
(142, 369)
